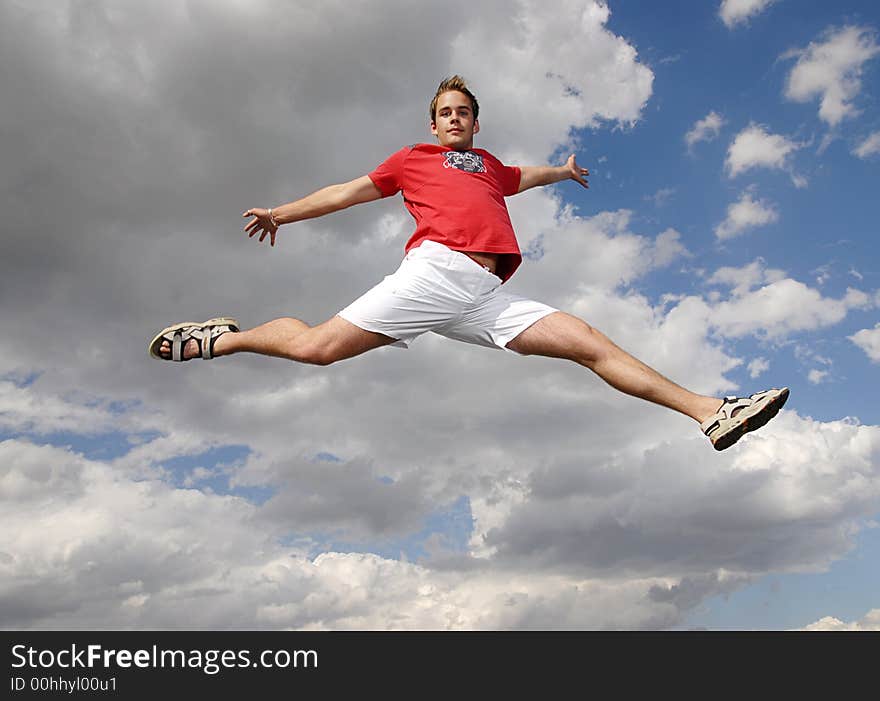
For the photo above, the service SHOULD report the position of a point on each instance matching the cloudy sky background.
(728, 239)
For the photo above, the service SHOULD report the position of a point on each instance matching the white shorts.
(444, 291)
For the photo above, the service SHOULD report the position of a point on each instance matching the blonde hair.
(455, 83)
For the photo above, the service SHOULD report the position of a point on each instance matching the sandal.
(739, 415)
(205, 333)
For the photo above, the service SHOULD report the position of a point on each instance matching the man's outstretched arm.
(533, 176)
(326, 200)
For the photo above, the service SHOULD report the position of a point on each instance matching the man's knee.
(333, 341)
(311, 347)
(596, 346)
(562, 335)
(589, 345)
(315, 354)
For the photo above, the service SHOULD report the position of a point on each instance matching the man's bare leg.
(561, 335)
(335, 339)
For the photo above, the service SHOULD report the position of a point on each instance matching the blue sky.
(445, 486)
(700, 66)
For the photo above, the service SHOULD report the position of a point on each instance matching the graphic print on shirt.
(468, 161)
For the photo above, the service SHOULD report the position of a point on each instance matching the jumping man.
(451, 280)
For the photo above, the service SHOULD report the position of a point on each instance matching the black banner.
(143, 664)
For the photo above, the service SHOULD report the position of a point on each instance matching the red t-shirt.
(456, 198)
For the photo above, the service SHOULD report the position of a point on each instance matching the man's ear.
(476, 126)
(434, 127)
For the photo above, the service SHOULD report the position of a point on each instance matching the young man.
(462, 251)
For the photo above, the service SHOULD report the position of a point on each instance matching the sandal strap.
(731, 404)
(210, 334)
(206, 343)
(177, 346)
(725, 412)
(710, 424)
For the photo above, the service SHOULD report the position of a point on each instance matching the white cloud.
(84, 544)
(24, 411)
(758, 367)
(617, 254)
(667, 248)
(870, 146)
(831, 69)
(747, 277)
(823, 274)
(592, 514)
(747, 213)
(661, 197)
(806, 354)
(782, 308)
(869, 341)
(754, 147)
(767, 302)
(705, 129)
(871, 621)
(734, 12)
(816, 376)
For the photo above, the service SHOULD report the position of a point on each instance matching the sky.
(727, 239)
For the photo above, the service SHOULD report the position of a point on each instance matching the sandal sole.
(753, 423)
(158, 338)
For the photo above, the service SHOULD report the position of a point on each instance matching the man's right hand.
(262, 223)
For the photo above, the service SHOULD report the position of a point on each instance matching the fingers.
(580, 174)
(260, 224)
(270, 231)
(255, 226)
(256, 218)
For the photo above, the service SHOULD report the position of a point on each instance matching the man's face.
(454, 124)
